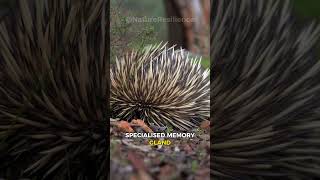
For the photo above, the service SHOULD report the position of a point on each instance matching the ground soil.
(135, 159)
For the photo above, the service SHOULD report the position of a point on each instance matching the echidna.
(160, 85)
(53, 90)
(265, 91)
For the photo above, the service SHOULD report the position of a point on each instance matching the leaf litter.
(135, 159)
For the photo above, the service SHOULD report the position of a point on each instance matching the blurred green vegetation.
(205, 62)
(155, 32)
(126, 35)
(148, 8)
(138, 35)
(307, 8)
(307, 11)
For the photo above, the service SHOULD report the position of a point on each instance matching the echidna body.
(161, 86)
(265, 92)
(53, 86)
